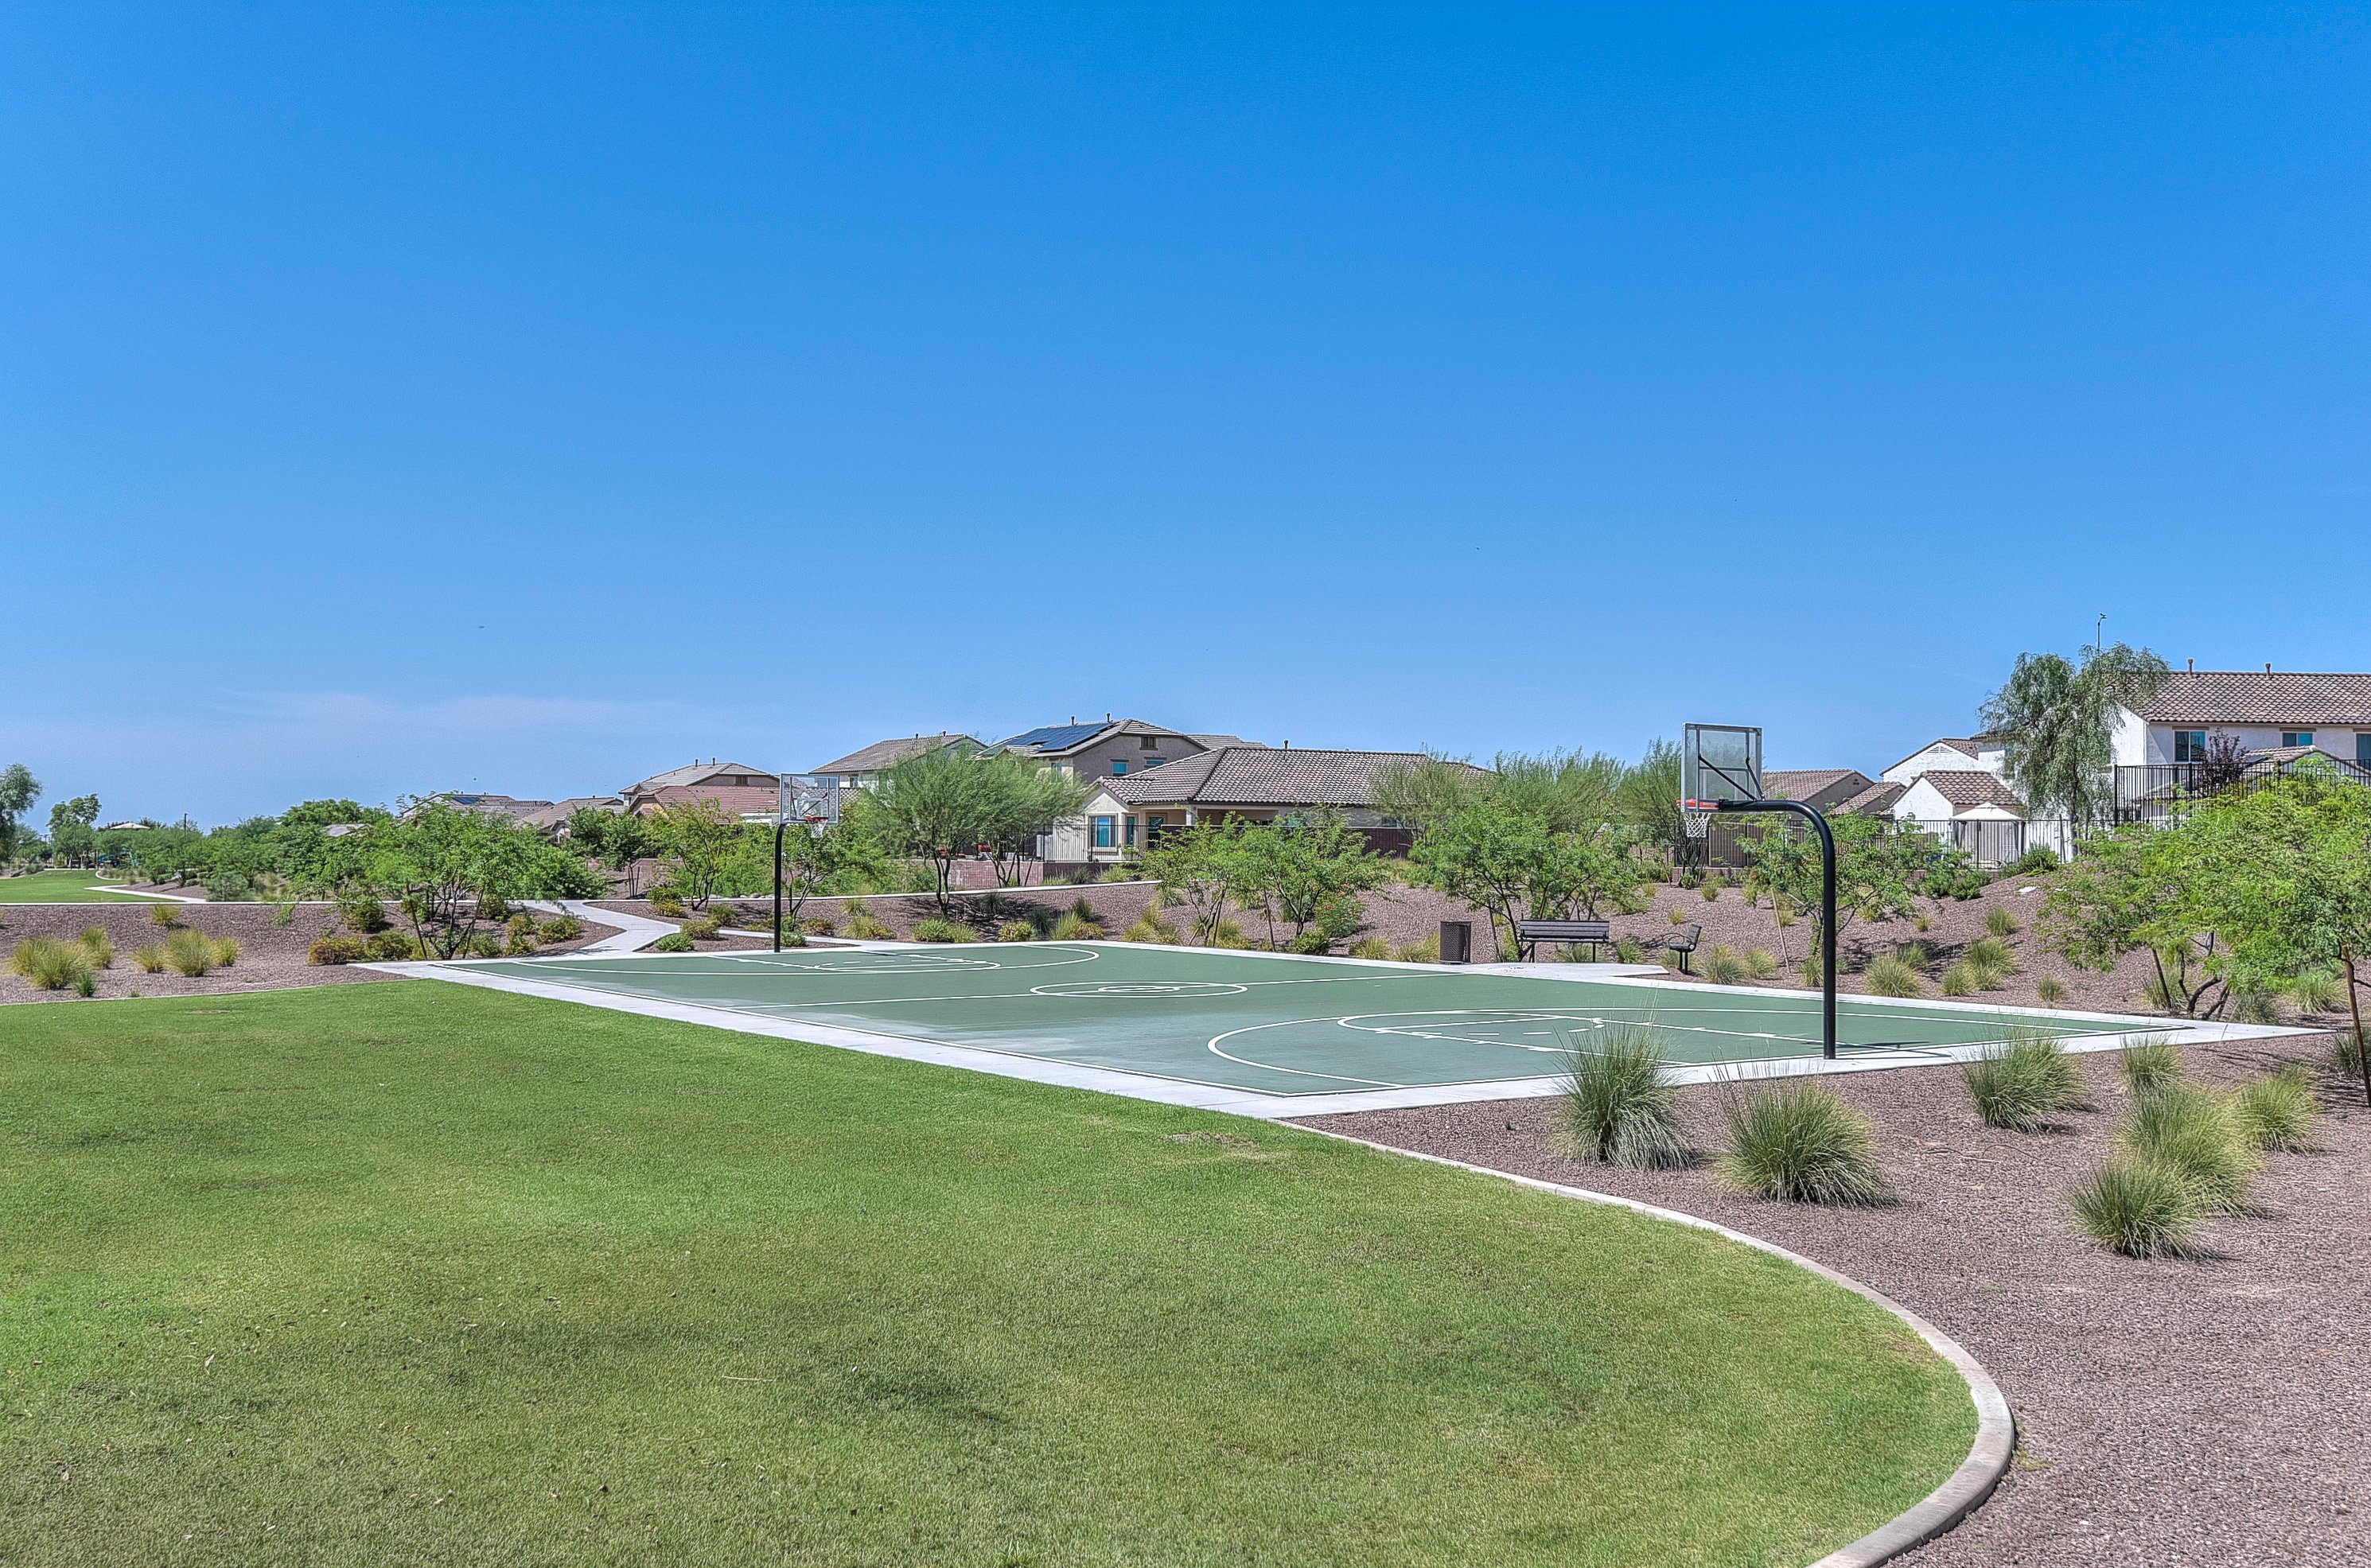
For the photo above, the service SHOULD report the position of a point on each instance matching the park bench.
(1529, 934)
(1682, 943)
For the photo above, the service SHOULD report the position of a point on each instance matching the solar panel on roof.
(1053, 737)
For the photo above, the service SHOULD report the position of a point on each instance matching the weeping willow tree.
(2056, 720)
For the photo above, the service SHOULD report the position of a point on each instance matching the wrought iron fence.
(2156, 791)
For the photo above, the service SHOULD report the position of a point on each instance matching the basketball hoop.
(1697, 820)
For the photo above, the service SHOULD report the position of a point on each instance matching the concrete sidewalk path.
(635, 932)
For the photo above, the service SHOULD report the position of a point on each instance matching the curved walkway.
(1988, 1456)
(634, 932)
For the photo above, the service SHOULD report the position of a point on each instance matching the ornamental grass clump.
(1890, 974)
(1617, 1109)
(1370, 946)
(2196, 1134)
(189, 952)
(1801, 1142)
(942, 931)
(1071, 928)
(48, 963)
(151, 960)
(1724, 966)
(1016, 931)
(1993, 955)
(2277, 1110)
(96, 946)
(2138, 1209)
(2051, 990)
(1424, 951)
(864, 927)
(1999, 922)
(2149, 1066)
(2021, 1083)
(163, 916)
(1962, 979)
(1150, 927)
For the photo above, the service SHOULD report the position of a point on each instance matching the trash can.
(1457, 941)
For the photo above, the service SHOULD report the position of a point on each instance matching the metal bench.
(1529, 934)
(1683, 942)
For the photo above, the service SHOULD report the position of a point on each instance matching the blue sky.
(533, 399)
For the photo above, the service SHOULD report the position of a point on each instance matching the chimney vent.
(2268, 666)
(2193, 666)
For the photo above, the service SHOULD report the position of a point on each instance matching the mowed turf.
(64, 887)
(414, 1273)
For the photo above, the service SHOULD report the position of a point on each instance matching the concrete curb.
(1942, 1508)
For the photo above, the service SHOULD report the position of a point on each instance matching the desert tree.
(2056, 720)
(701, 842)
(18, 791)
(2132, 890)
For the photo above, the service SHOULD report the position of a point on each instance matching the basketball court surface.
(1264, 1034)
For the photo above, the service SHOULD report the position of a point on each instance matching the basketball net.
(1697, 819)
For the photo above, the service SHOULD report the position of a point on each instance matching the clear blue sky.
(531, 399)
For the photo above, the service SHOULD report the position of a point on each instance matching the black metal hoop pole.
(1827, 906)
(778, 880)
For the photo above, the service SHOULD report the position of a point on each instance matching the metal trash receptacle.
(1457, 941)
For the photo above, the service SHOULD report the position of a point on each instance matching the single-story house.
(1256, 783)
(741, 790)
(1114, 749)
(860, 769)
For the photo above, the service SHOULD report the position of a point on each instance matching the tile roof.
(1875, 798)
(695, 773)
(1811, 783)
(2260, 697)
(1973, 787)
(1261, 775)
(883, 754)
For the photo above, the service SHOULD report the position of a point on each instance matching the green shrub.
(163, 916)
(674, 941)
(2051, 990)
(1810, 968)
(391, 946)
(2137, 1208)
(1424, 951)
(491, 908)
(1149, 927)
(1019, 931)
(97, 947)
(1915, 955)
(1992, 955)
(151, 960)
(819, 926)
(2149, 1066)
(516, 946)
(2196, 1133)
(86, 984)
(189, 952)
(521, 928)
(2038, 861)
(1924, 924)
(562, 927)
(1961, 980)
(2346, 1054)
(1890, 974)
(1121, 874)
(1711, 892)
(1370, 946)
(2252, 1006)
(1800, 1143)
(2277, 1110)
(864, 927)
(2321, 991)
(1724, 966)
(1679, 916)
(480, 944)
(704, 928)
(666, 906)
(1310, 942)
(49, 964)
(2022, 1082)
(1626, 950)
(1760, 962)
(284, 915)
(335, 950)
(226, 950)
(1083, 909)
(1616, 1108)
(935, 931)
(1072, 929)
(1999, 922)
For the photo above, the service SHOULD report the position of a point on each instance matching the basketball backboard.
(1719, 763)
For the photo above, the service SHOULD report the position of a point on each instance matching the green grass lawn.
(413, 1272)
(62, 887)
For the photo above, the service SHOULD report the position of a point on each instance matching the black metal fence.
(2156, 791)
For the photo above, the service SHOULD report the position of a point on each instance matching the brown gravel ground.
(2212, 1411)
(270, 957)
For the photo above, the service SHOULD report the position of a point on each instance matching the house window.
(2362, 750)
(1154, 761)
(2190, 745)
(1131, 833)
(1146, 742)
(1119, 767)
(1102, 826)
(2297, 737)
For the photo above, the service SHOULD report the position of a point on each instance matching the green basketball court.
(1256, 1027)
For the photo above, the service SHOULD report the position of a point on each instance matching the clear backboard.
(1719, 763)
(810, 798)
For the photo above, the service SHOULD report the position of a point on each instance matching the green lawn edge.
(413, 1269)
